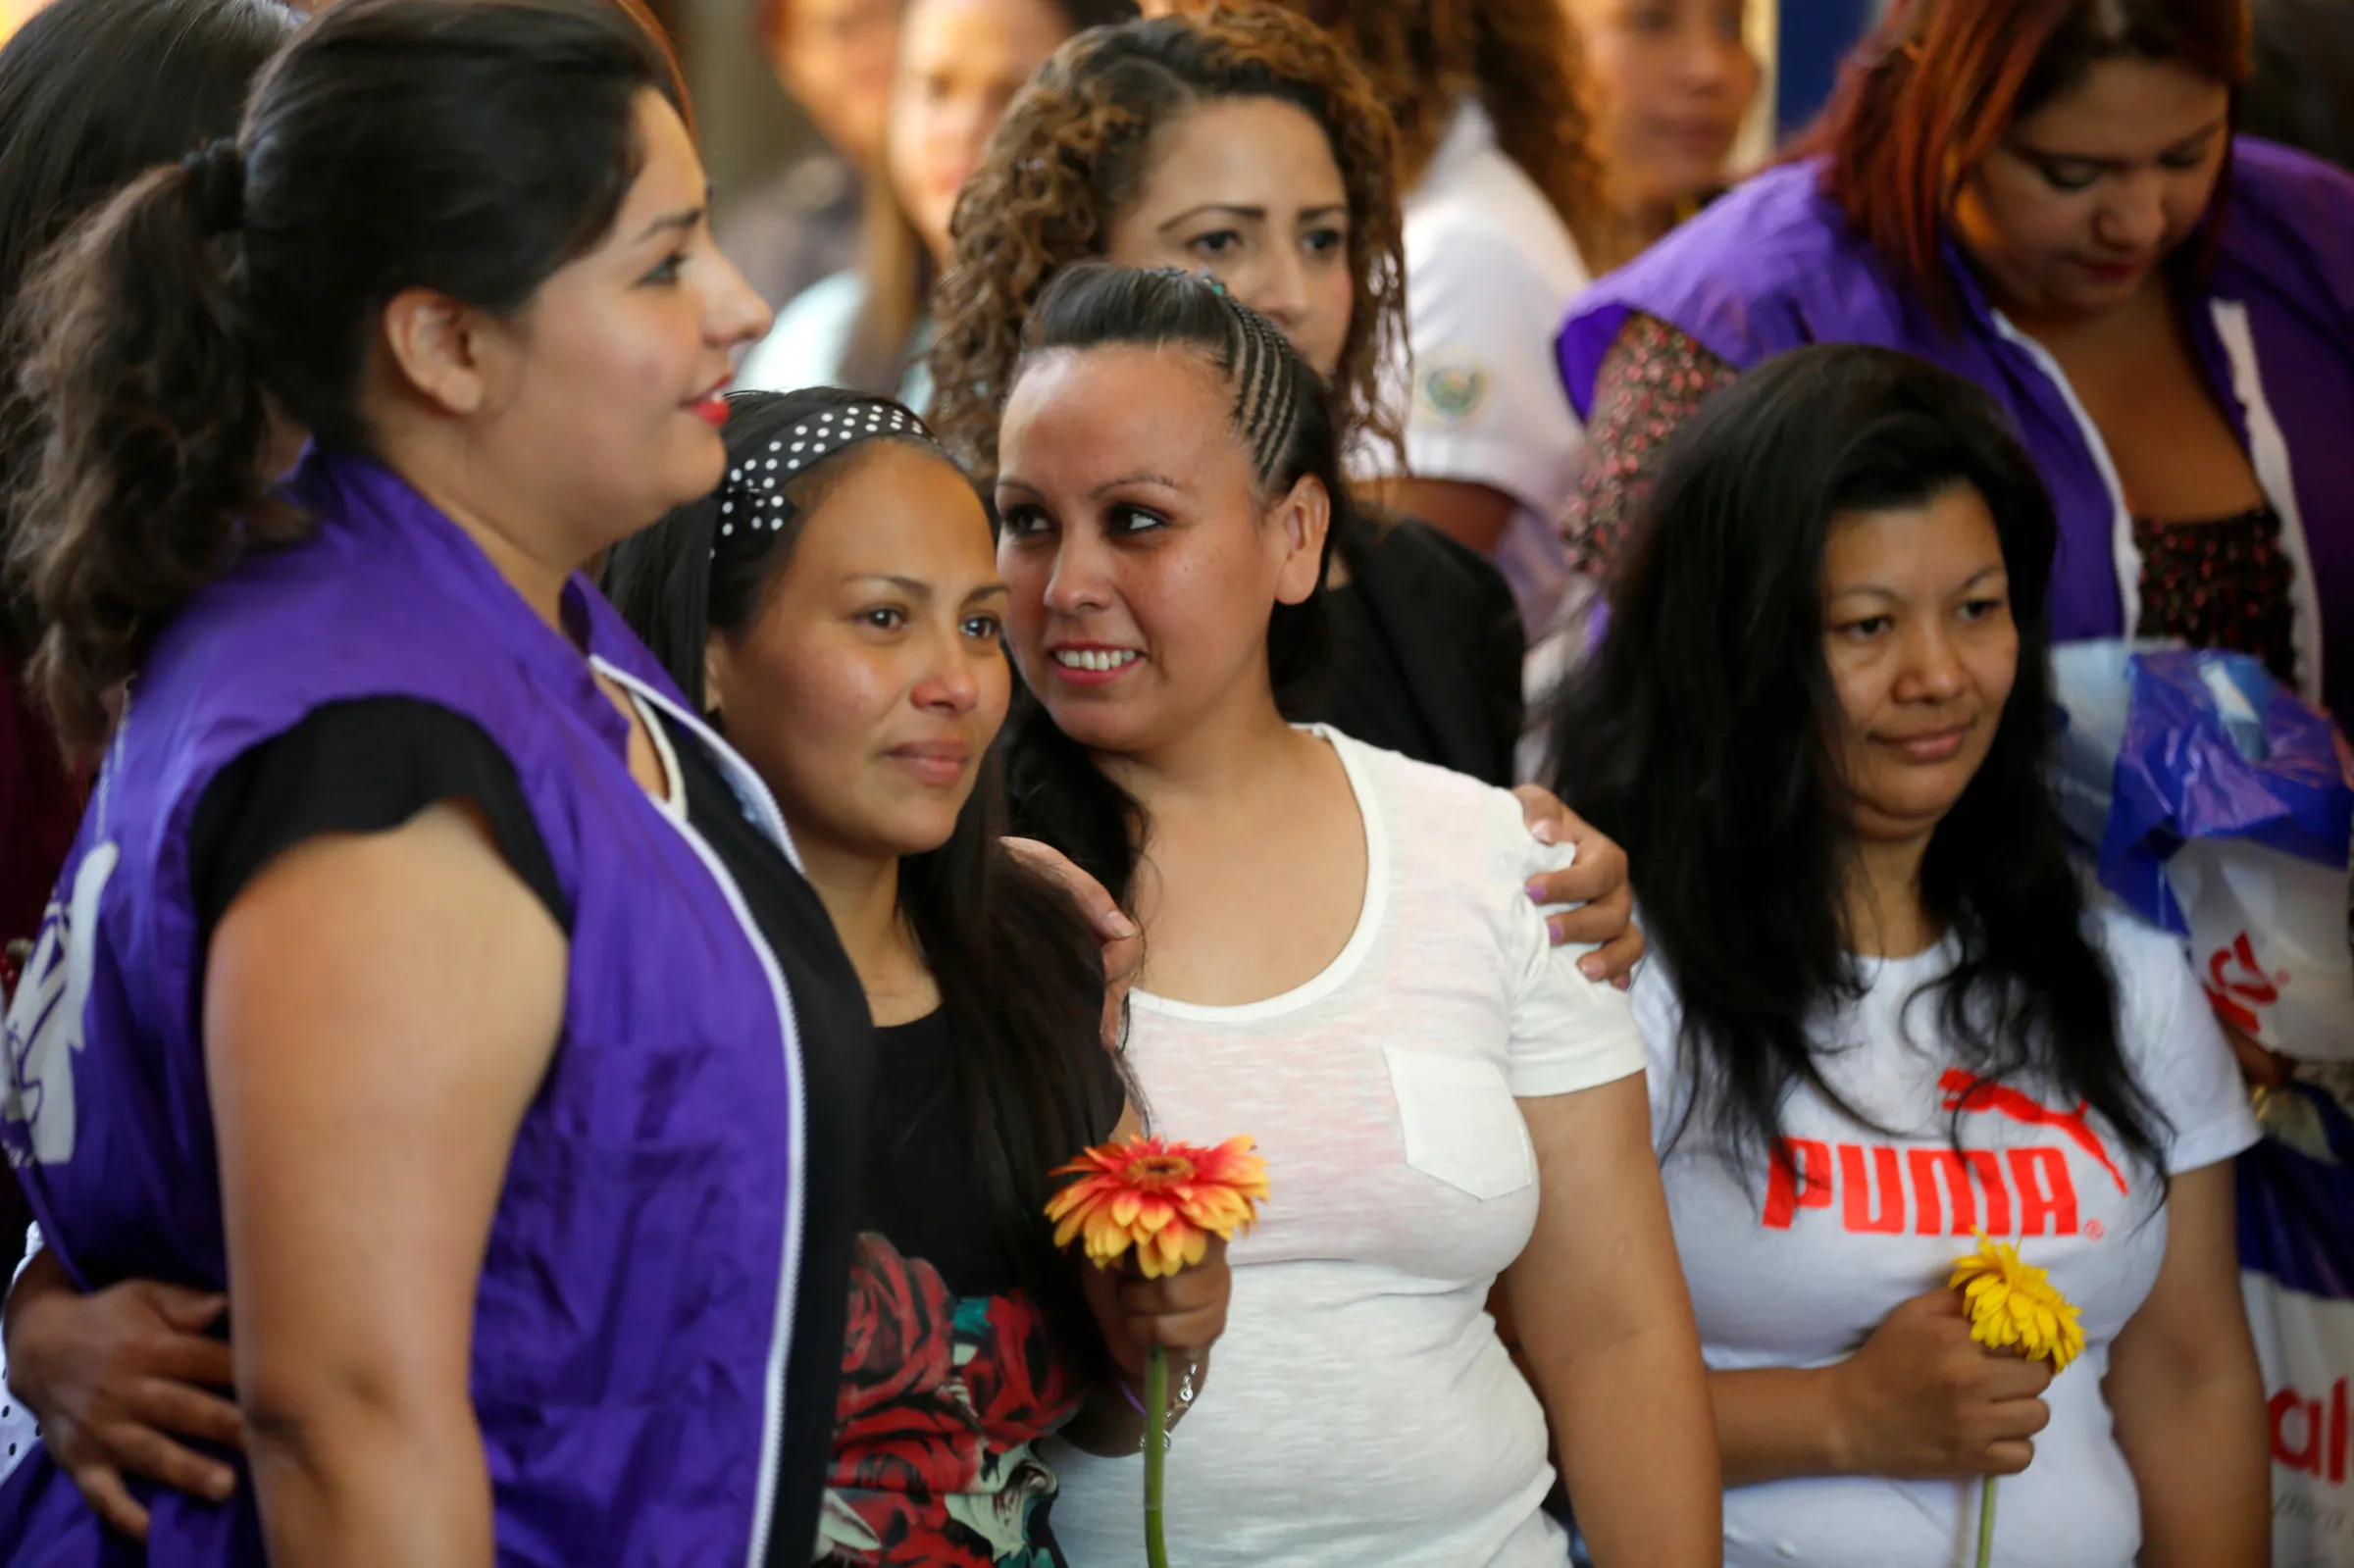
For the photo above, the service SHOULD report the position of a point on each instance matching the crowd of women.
(600, 837)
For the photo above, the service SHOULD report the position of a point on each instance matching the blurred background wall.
(749, 129)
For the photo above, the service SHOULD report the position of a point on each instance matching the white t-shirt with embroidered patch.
(1360, 1408)
(1490, 272)
(1796, 1271)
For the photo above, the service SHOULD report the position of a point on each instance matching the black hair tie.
(217, 176)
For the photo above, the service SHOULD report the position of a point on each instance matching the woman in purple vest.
(422, 975)
(2046, 197)
(842, 626)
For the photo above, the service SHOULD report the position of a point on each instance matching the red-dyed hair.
(1929, 95)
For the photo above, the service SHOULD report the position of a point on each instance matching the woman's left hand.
(1596, 881)
(1182, 1313)
(1123, 943)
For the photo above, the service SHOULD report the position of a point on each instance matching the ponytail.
(498, 138)
(136, 432)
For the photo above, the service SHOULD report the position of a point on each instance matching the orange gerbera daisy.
(1166, 1199)
(2013, 1306)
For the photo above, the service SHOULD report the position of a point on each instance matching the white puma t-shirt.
(1360, 1410)
(1796, 1271)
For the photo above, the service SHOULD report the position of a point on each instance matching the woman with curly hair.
(1504, 209)
(1245, 144)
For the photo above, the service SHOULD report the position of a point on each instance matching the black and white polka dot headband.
(753, 499)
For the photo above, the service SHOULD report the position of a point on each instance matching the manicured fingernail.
(1545, 831)
(1624, 982)
(1117, 926)
(1535, 891)
(1591, 967)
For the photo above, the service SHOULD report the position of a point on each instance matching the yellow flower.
(2013, 1307)
(1164, 1199)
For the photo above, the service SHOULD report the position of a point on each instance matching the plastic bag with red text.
(2296, 1253)
(2225, 815)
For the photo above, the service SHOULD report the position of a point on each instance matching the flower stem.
(1157, 1447)
(1985, 1522)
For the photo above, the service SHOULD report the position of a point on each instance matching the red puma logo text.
(1970, 1094)
(1877, 1188)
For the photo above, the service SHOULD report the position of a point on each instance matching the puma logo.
(1972, 1095)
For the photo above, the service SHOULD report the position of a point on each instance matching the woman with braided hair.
(1339, 959)
(1245, 142)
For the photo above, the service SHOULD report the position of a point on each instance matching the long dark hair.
(1283, 418)
(93, 93)
(466, 146)
(1699, 738)
(1020, 972)
(1922, 101)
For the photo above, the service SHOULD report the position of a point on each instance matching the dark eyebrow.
(1880, 591)
(2048, 154)
(910, 587)
(1006, 482)
(1252, 214)
(679, 222)
(1140, 476)
(987, 590)
(1230, 209)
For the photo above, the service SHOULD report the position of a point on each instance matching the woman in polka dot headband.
(788, 436)
(836, 608)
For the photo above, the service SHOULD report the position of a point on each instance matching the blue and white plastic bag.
(2219, 805)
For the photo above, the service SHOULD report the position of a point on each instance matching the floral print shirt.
(949, 1376)
(2215, 584)
(1652, 380)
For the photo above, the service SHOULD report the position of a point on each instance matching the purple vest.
(633, 1315)
(1775, 265)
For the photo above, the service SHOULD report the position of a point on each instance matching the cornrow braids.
(1283, 416)
(1267, 400)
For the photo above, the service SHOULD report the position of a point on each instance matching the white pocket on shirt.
(1460, 1122)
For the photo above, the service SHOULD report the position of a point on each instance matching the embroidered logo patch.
(47, 1023)
(1453, 388)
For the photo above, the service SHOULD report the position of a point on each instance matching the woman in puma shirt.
(1882, 1017)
